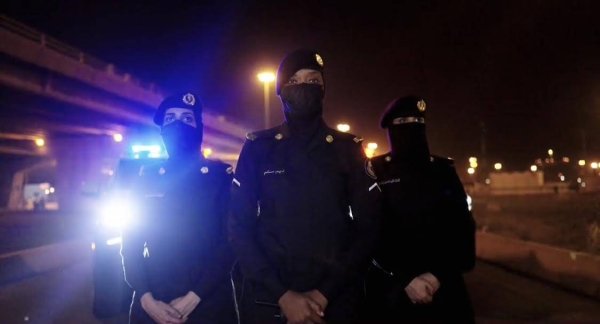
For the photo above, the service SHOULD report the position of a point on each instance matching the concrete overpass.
(63, 105)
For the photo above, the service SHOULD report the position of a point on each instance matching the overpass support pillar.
(82, 162)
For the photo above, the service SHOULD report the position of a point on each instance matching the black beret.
(187, 100)
(409, 106)
(295, 61)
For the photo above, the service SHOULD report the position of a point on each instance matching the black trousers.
(388, 303)
(218, 308)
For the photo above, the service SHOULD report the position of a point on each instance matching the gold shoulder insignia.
(421, 105)
(358, 139)
(251, 136)
(229, 170)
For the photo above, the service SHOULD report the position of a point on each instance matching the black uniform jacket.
(177, 240)
(427, 225)
(304, 216)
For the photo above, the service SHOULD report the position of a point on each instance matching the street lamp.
(39, 142)
(471, 170)
(117, 137)
(594, 165)
(343, 128)
(550, 152)
(498, 166)
(207, 152)
(370, 150)
(582, 162)
(533, 168)
(266, 78)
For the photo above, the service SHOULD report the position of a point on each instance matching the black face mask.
(182, 140)
(409, 142)
(302, 102)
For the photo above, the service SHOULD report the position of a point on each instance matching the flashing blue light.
(153, 149)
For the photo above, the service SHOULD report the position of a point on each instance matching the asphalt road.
(26, 230)
(499, 296)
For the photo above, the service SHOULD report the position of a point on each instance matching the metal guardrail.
(72, 52)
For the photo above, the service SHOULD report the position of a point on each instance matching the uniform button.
(329, 138)
(278, 136)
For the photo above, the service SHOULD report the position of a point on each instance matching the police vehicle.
(112, 295)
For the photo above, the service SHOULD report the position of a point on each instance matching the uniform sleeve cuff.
(202, 290)
(276, 288)
(142, 291)
(330, 289)
(438, 274)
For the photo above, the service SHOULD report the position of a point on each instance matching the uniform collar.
(323, 135)
(182, 166)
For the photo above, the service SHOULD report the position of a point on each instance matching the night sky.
(529, 69)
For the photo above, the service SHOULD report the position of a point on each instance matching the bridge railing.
(219, 123)
(72, 52)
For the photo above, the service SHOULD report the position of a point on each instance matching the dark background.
(528, 69)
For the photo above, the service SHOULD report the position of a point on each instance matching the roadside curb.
(23, 264)
(573, 270)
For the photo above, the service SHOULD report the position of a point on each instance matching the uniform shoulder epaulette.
(263, 134)
(442, 160)
(346, 136)
(220, 166)
(150, 169)
(379, 158)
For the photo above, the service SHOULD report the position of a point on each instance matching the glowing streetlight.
(266, 78)
(207, 152)
(594, 165)
(498, 166)
(118, 137)
(40, 142)
(372, 146)
(533, 168)
(550, 152)
(582, 162)
(473, 162)
(343, 128)
(369, 152)
(471, 170)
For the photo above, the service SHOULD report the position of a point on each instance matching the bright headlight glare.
(117, 213)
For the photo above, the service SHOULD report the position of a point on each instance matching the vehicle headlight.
(117, 213)
(469, 202)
